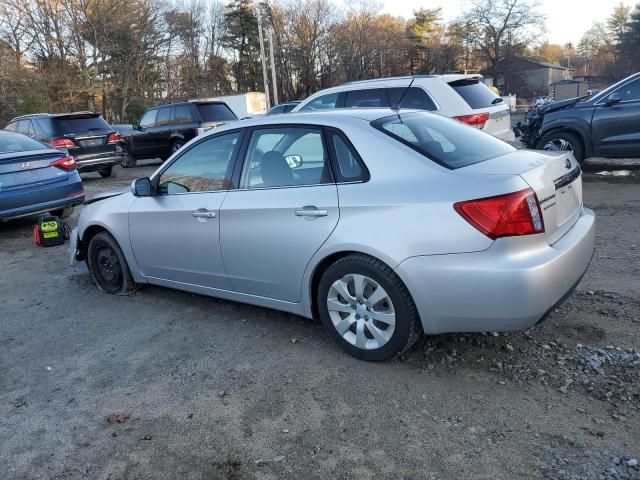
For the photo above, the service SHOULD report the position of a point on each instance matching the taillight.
(507, 215)
(62, 143)
(66, 163)
(113, 138)
(475, 120)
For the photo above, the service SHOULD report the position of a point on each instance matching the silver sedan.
(383, 224)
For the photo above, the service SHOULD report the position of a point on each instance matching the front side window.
(182, 114)
(324, 102)
(445, 141)
(205, 167)
(148, 119)
(164, 117)
(630, 92)
(371, 97)
(285, 157)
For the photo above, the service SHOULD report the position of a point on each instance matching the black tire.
(62, 212)
(106, 171)
(560, 138)
(407, 322)
(175, 146)
(108, 266)
(129, 160)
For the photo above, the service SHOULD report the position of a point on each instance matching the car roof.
(54, 115)
(447, 77)
(322, 117)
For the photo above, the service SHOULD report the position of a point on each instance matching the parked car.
(462, 97)
(35, 178)
(606, 124)
(243, 105)
(85, 136)
(385, 224)
(163, 130)
(282, 108)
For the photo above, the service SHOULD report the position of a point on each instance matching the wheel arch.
(568, 129)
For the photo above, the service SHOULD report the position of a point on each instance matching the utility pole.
(264, 62)
(274, 82)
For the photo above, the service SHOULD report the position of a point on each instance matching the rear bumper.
(498, 289)
(34, 199)
(91, 163)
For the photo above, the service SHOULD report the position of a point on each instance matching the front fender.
(576, 122)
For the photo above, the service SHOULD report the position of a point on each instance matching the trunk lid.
(20, 169)
(554, 176)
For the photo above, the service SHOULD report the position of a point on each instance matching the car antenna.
(397, 107)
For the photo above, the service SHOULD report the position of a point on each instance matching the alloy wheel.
(559, 145)
(361, 311)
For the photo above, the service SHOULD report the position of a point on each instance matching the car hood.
(105, 195)
(561, 105)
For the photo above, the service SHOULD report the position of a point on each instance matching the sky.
(567, 20)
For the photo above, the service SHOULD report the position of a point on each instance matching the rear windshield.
(445, 141)
(80, 124)
(475, 93)
(16, 142)
(215, 112)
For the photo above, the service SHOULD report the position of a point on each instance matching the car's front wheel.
(108, 266)
(563, 142)
(367, 309)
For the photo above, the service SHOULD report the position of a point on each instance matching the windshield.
(215, 112)
(445, 141)
(16, 142)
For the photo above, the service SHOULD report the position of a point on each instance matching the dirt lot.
(212, 389)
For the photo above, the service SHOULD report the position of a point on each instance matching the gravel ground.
(165, 385)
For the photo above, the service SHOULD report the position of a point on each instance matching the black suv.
(84, 135)
(163, 130)
(606, 124)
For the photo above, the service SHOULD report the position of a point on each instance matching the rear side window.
(11, 127)
(371, 97)
(14, 142)
(475, 93)
(322, 103)
(182, 114)
(215, 112)
(350, 168)
(445, 141)
(415, 98)
(84, 124)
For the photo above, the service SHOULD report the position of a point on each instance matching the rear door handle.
(202, 213)
(311, 211)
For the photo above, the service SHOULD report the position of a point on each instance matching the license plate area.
(568, 201)
(91, 142)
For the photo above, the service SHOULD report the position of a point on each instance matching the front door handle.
(311, 211)
(202, 213)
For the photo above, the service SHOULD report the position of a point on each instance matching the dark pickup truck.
(605, 125)
(85, 136)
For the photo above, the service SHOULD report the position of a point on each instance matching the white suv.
(463, 97)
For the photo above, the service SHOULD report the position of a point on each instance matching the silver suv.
(462, 97)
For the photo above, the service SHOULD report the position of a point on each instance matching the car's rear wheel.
(62, 212)
(367, 309)
(108, 266)
(563, 142)
(106, 171)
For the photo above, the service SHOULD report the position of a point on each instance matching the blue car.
(35, 178)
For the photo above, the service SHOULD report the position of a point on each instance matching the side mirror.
(613, 99)
(141, 187)
(294, 161)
